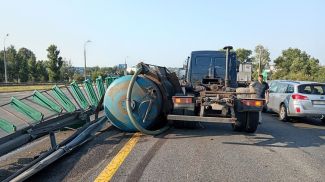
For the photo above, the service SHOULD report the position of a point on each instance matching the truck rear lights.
(183, 100)
(299, 97)
(256, 103)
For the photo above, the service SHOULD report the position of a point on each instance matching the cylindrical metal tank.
(146, 103)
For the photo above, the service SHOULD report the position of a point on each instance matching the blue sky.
(161, 32)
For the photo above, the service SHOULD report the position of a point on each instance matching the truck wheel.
(283, 114)
(241, 121)
(252, 122)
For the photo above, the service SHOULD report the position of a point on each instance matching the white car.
(297, 99)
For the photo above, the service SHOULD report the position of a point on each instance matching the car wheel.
(283, 114)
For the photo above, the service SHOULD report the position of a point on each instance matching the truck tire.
(283, 113)
(252, 122)
(241, 121)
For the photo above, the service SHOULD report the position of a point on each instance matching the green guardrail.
(91, 92)
(7, 126)
(46, 102)
(100, 86)
(109, 80)
(63, 99)
(26, 109)
(80, 97)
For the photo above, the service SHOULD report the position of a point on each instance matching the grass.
(4, 89)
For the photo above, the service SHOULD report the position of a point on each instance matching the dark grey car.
(297, 99)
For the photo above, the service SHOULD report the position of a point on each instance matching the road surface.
(276, 152)
(5, 97)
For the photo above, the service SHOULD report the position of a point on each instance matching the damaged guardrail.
(45, 112)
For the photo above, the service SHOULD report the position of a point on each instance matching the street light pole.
(4, 58)
(125, 69)
(85, 73)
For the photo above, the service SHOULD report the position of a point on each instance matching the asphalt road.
(276, 152)
(5, 97)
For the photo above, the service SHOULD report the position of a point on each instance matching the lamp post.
(85, 73)
(4, 57)
(125, 65)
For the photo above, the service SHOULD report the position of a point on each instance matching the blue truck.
(211, 93)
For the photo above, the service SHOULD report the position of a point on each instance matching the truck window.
(220, 62)
(202, 64)
(203, 61)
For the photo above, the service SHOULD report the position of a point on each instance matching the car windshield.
(314, 89)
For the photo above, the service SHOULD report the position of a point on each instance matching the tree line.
(292, 64)
(22, 66)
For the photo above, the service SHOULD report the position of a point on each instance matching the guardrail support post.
(53, 141)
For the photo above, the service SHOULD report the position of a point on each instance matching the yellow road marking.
(117, 161)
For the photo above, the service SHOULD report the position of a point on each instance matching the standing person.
(262, 91)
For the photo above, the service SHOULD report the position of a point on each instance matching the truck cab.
(210, 67)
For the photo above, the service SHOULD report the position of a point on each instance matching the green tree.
(96, 71)
(12, 63)
(42, 74)
(321, 74)
(78, 77)
(294, 64)
(262, 55)
(67, 71)
(54, 63)
(32, 68)
(243, 55)
(27, 65)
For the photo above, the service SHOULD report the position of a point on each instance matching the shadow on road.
(202, 130)
(274, 133)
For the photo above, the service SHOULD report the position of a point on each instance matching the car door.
(290, 91)
(273, 89)
(280, 96)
